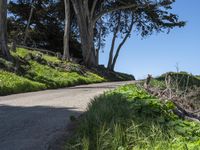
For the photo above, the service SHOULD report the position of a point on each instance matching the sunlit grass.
(37, 76)
(54, 78)
(24, 52)
(10, 83)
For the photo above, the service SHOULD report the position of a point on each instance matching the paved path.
(31, 121)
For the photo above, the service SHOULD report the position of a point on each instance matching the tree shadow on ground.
(33, 127)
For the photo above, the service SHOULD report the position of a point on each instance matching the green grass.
(10, 83)
(158, 83)
(48, 72)
(128, 118)
(54, 78)
(24, 52)
(37, 75)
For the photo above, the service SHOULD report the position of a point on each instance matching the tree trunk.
(87, 19)
(4, 51)
(86, 35)
(66, 54)
(86, 27)
(120, 46)
(109, 66)
(97, 57)
(111, 52)
(110, 62)
(28, 23)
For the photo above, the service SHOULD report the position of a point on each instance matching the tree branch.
(93, 8)
(85, 3)
(114, 9)
(121, 44)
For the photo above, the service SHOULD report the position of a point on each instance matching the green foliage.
(133, 92)
(24, 52)
(128, 118)
(157, 83)
(49, 72)
(21, 52)
(42, 71)
(51, 59)
(10, 83)
(183, 79)
(6, 64)
(198, 77)
(46, 31)
(54, 78)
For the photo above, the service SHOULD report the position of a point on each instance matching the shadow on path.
(32, 128)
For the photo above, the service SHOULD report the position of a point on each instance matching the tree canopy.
(88, 24)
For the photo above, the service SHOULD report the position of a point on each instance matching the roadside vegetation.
(11, 83)
(33, 71)
(182, 80)
(198, 77)
(129, 118)
(181, 87)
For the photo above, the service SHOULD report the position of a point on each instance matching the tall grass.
(130, 119)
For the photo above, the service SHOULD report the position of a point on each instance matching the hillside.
(33, 71)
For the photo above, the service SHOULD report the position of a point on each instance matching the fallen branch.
(185, 114)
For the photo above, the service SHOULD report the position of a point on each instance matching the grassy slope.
(128, 118)
(41, 76)
(10, 83)
(47, 73)
(54, 78)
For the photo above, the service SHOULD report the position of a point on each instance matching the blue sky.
(161, 52)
